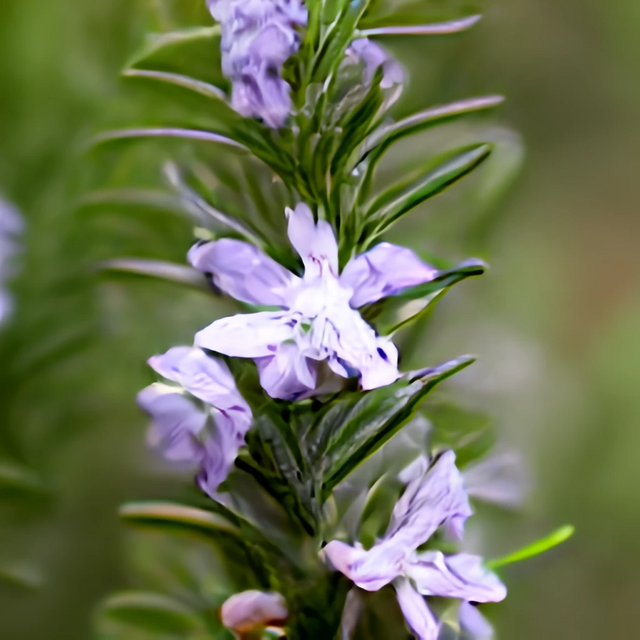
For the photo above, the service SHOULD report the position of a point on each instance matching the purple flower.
(199, 420)
(317, 331)
(258, 37)
(435, 499)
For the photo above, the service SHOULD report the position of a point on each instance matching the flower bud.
(258, 37)
(252, 610)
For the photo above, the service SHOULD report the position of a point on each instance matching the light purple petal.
(384, 271)
(370, 570)
(176, 423)
(205, 377)
(459, 576)
(351, 613)
(350, 346)
(416, 611)
(220, 449)
(429, 502)
(473, 624)
(253, 335)
(241, 270)
(316, 243)
(287, 374)
(502, 479)
(382, 369)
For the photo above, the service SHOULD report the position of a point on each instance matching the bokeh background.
(555, 323)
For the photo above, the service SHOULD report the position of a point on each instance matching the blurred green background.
(555, 323)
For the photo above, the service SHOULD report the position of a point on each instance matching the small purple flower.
(199, 420)
(318, 328)
(258, 37)
(435, 499)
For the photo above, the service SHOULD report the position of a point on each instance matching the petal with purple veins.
(370, 570)
(242, 271)
(384, 271)
(429, 502)
(205, 377)
(315, 243)
(459, 576)
(253, 335)
(287, 374)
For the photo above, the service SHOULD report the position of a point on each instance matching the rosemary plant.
(334, 508)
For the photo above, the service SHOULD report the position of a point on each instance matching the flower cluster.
(310, 345)
(317, 337)
(258, 37)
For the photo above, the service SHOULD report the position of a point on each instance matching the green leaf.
(15, 477)
(186, 82)
(400, 199)
(356, 426)
(536, 548)
(339, 36)
(165, 132)
(383, 137)
(392, 313)
(379, 504)
(168, 271)
(277, 462)
(194, 52)
(177, 517)
(152, 612)
(470, 434)
(376, 145)
(201, 209)
(433, 28)
(23, 576)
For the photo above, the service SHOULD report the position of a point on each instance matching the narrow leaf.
(536, 548)
(447, 278)
(165, 132)
(177, 516)
(179, 80)
(23, 576)
(385, 136)
(390, 314)
(435, 28)
(153, 612)
(356, 427)
(15, 477)
(168, 271)
(199, 207)
(399, 200)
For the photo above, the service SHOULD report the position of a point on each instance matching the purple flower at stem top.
(431, 500)
(317, 336)
(258, 37)
(200, 419)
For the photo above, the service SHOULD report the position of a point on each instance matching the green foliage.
(534, 549)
